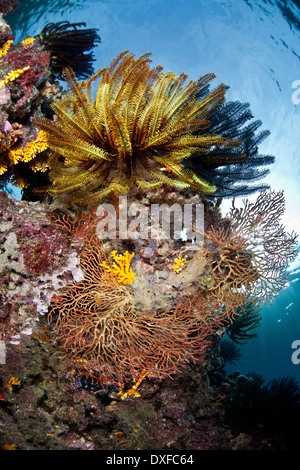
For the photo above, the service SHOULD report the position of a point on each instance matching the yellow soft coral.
(15, 155)
(179, 263)
(28, 42)
(121, 268)
(5, 48)
(3, 168)
(133, 391)
(13, 381)
(13, 75)
(31, 149)
(35, 147)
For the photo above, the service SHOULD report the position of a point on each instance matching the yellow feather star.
(138, 121)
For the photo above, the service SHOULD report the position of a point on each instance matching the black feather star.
(69, 46)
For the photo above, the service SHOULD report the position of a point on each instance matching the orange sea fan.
(249, 260)
(104, 336)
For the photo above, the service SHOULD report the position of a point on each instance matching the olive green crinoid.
(135, 129)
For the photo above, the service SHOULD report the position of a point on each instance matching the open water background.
(251, 45)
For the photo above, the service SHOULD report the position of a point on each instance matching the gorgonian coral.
(137, 129)
(249, 259)
(107, 334)
(104, 336)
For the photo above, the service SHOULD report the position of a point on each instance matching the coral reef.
(24, 72)
(43, 407)
(27, 86)
(33, 65)
(50, 409)
(98, 317)
(107, 334)
(35, 260)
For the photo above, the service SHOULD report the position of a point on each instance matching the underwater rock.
(43, 409)
(35, 260)
(5, 30)
(33, 64)
(8, 6)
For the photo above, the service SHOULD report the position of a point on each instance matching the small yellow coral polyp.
(179, 263)
(3, 168)
(13, 381)
(133, 391)
(7, 446)
(121, 268)
(5, 48)
(15, 155)
(28, 42)
(13, 75)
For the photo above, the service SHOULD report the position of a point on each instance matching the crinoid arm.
(138, 125)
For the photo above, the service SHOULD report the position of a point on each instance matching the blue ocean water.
(254, 47)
